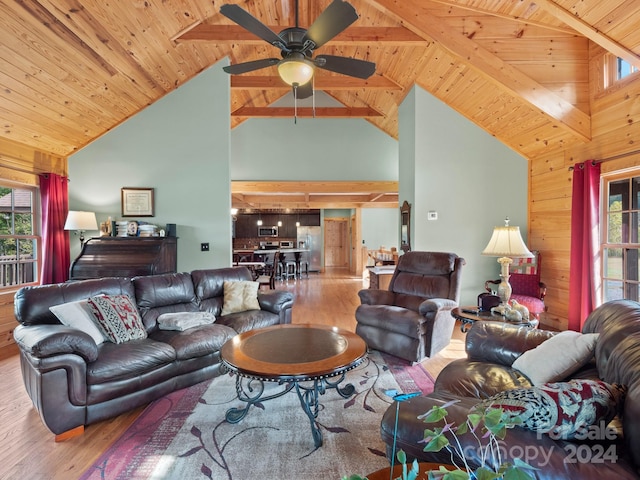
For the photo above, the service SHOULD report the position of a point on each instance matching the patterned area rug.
(185, 435)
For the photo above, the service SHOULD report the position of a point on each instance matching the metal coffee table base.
(251, 390)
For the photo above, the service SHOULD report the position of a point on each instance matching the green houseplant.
(487, 426)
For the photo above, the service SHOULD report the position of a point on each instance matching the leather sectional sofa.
(606, 451)
(73, 381)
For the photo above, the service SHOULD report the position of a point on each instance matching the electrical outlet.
(204, 247)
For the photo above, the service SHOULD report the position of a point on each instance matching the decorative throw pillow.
(118, 317)
(562, 410)
(558, 357)
(240, 296)
(79, 315)
(182, 321)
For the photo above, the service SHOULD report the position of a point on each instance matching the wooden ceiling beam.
(320, 82)
(506, 77)
(590, 32)
(320, 112)
(329, 202)
(365, 36)
(493, 13)
(311, 187)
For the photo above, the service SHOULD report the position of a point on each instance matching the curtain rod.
(614, 157)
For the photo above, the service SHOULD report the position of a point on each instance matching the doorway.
(336, 240)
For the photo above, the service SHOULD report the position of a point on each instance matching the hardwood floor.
(27, 449)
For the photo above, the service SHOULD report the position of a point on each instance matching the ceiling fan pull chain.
(295, 103)
(313, 96)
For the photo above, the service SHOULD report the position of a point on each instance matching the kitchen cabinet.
(246, 224)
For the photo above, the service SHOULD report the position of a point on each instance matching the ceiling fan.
(297, 45)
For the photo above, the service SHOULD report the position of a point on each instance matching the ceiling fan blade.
(333, 20)
(250, 66)
(304, 91)
(252, 24)
(346, 66)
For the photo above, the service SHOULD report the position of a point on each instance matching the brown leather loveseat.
(607, 451)
(74, 381)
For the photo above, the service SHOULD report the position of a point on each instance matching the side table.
(470, 315)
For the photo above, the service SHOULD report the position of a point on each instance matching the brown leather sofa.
(73, 382)
(491, 348)
(412, 319)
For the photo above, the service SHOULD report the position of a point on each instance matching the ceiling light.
(295, 69)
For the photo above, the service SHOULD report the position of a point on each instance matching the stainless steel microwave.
(267, 231)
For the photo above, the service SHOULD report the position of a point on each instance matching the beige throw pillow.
(558, 357)
(240, 296)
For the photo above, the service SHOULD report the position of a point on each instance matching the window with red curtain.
(55, 240)
(584, 273)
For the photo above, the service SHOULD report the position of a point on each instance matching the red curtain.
(56, 258)
(585, 220)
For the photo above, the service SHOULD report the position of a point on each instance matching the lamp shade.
(507, 242)
(295, 69)
(77, 220)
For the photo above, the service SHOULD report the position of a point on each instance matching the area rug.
(185, 436)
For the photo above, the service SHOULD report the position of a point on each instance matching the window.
(624, 68)
(19, 244)
(615, 69)
(620, 245)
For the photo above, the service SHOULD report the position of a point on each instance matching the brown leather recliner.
(412, 320)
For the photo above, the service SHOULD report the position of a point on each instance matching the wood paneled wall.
(20, 164)
(614, 142)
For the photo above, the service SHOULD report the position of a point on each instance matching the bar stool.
(302, 259)
(289, 269)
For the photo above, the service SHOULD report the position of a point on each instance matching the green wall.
(464, 174)
(180, 146)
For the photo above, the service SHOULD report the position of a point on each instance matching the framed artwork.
(137, 202)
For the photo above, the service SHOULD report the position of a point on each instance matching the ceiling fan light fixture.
(295, 69)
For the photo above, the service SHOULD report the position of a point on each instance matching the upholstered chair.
(527, 289)
(412, 319)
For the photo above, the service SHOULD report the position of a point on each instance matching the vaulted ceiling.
(72, 70)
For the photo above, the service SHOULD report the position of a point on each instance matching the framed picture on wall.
(137, 202)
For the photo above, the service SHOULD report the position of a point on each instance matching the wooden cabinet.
(380, 277)
(246, 224)
(125, 257)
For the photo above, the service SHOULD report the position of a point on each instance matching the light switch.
(432, 215)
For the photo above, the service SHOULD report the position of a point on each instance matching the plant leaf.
(436, 444)
(522, 464)
(515, 473)
(434, 415)
(484, 473)
(454, 474)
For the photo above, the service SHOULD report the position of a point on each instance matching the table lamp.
(506, 243)
(81, 221)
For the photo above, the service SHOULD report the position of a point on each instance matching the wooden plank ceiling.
(520, 70)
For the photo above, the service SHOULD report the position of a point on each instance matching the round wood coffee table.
(386, 473)
(307, 358)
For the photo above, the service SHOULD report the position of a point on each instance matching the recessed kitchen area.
(258, 232)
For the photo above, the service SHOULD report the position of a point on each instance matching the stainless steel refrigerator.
(310, 238)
